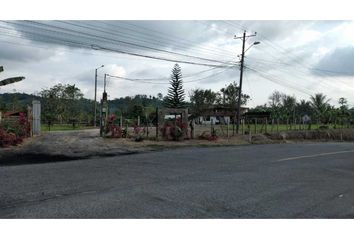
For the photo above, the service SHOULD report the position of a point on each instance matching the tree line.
(66, 104)
(317, 108)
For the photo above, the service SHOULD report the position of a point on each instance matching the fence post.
(249, 136)
(233, 127)
(127, 130)
(300, 123)
(157, 124)
(266, 124)
(193, 129)
(287, 124)
(147, 126)
(121, 121)
(211, 127)
(227, 130)
(255, 126)
(277, 124)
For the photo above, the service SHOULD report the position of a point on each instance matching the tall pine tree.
(175, 96)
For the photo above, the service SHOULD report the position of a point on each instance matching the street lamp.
(255, 43)
(95, 108)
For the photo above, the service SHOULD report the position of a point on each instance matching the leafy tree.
(61, 103)
(231, 96)
(160, 96)
(275, 103)
(175, 96)
(288, 106)
(343, 104)
(202, 99)
(72, 94)
(260, 108)
(275, 99)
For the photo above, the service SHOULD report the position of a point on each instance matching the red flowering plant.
(139, 133)
(112, 128)
(171, 131)
(13, 132)
(24, 125)
(7, 139)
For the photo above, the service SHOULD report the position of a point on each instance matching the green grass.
(284, 127)
(63, 127)
(275, 128)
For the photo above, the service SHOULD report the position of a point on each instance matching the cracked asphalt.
(303, 180)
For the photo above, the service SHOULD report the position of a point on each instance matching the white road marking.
(314, 155)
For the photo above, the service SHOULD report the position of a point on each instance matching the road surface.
(307, 180)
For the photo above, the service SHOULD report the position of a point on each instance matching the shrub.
(13, 132)
(211, 137)
(112, 128)
(139, 133)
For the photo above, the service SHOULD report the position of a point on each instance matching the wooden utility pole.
(241, 76)
(95, 103)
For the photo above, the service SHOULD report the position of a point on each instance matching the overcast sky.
(299, 58)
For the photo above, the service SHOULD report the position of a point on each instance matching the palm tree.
(319, 104)
(303, 108)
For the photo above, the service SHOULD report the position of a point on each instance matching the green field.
(63, 127)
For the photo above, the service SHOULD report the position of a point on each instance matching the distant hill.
(9, 101)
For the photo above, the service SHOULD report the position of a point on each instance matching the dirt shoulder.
(70, 145)
(81, 144)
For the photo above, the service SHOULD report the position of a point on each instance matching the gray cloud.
(52, 63)
(339, 62)
(20, 53)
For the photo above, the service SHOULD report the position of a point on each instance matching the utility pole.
(95, 108)
(241, 76)
(104, 110)
(95, 104)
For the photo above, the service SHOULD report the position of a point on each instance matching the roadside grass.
(269, 128)
(63, 127)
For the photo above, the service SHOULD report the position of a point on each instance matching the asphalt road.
(256, 181)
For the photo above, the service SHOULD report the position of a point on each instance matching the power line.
(282, 83)
(305, 76)
(59, 40)
(174, 37)
(160, 39)
(167, 78)
(129, 43)
(142, 80)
